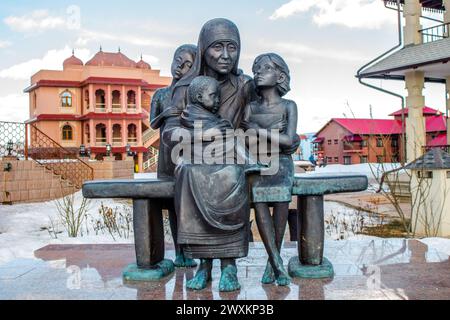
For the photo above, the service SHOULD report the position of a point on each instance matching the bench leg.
(311, 229)
(148, 232)
(310, 262)
(149, 243)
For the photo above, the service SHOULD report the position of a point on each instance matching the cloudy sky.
(323, 41)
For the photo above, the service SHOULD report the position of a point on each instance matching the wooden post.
(26, 141)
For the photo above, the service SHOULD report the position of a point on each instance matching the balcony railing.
(100, 141)
(116, 108)
(117, 141)
(435, 33)
(132, 141)
(100, 107)
(131, 107)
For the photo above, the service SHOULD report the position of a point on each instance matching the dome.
(72, 61)
(109, 59)
(143, 65)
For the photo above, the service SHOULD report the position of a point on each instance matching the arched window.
(67, 133)
(100, 100)
(116, 104)
(132, 134)
(66, 99)
(131, 99)
(100, 134)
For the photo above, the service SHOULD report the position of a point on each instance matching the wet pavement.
(364, 269)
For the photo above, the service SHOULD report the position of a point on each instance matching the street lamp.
(83, 150)
(10, 147)
(129, 152)
(108, 150)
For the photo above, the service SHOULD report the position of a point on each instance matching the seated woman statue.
(268, 115)
(211, 197)
(162, 118)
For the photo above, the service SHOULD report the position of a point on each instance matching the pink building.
(102, 104)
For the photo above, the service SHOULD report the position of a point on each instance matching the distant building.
(353, 141)
(105, 102)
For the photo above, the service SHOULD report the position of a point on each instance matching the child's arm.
(285, 140)
(156, 119)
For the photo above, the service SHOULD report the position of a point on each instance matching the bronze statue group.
(210, 214)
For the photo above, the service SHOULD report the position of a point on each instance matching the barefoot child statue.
(269, 112)
(163, 118)
(211, 197)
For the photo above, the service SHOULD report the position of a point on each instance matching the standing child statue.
(272, 112)
(163, 118)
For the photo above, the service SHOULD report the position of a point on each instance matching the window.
(67, 133)
(363, 143)
(380, 159)
(66, 99)
(379, 142)
(394, 143)
(425, 174)
(363, 159)
(347, 160)
(336, 159)
(329, 142)
(329, 159)
(336, 141)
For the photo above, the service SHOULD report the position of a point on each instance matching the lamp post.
(129, 152)
(82, 150)
(108, 150)
(10, 147)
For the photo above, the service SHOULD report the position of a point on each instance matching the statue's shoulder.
(161, 93)
(245, 79)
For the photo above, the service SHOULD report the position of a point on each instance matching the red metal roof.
(370, 126)
(440, 140)
(111, 59)
(436, 124)
(426, 111)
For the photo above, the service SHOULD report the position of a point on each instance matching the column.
(92, 136)
(124, 132)
(447, 20)
(109, 133)
(139, 100)
(448, 106)
(139, 133)
(411, 12)
(415, 122)
(108, 99)
(141, 162)
(124, 100)
(91, 98)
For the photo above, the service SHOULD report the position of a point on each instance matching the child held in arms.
(211, 197)
(273, 121)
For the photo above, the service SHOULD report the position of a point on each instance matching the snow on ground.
(371, 170)
(440, 244)
(23, 227)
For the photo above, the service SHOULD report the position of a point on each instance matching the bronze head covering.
(214, 30)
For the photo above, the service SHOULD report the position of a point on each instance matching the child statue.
(163, 118)
(211, 198)
(272, 112)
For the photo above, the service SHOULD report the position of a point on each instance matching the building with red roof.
(102, 104)
(352, 141)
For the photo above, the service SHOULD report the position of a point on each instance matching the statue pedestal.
(159, 271)
(308, 271)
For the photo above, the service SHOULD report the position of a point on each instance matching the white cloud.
(4, 44)
(36, 21)
(154, 61)
(14, 108)
(295, 52)
(369, 14)
(87, 36)
(52, 60)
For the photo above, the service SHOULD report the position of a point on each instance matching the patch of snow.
(371, 170)
(440, 244)
(24, 227)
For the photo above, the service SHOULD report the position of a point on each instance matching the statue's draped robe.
(211, 199)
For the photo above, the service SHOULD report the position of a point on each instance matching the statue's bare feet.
(269, 275)
(182, 262)
(201, 278)
(283, 278)
(229, 280)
